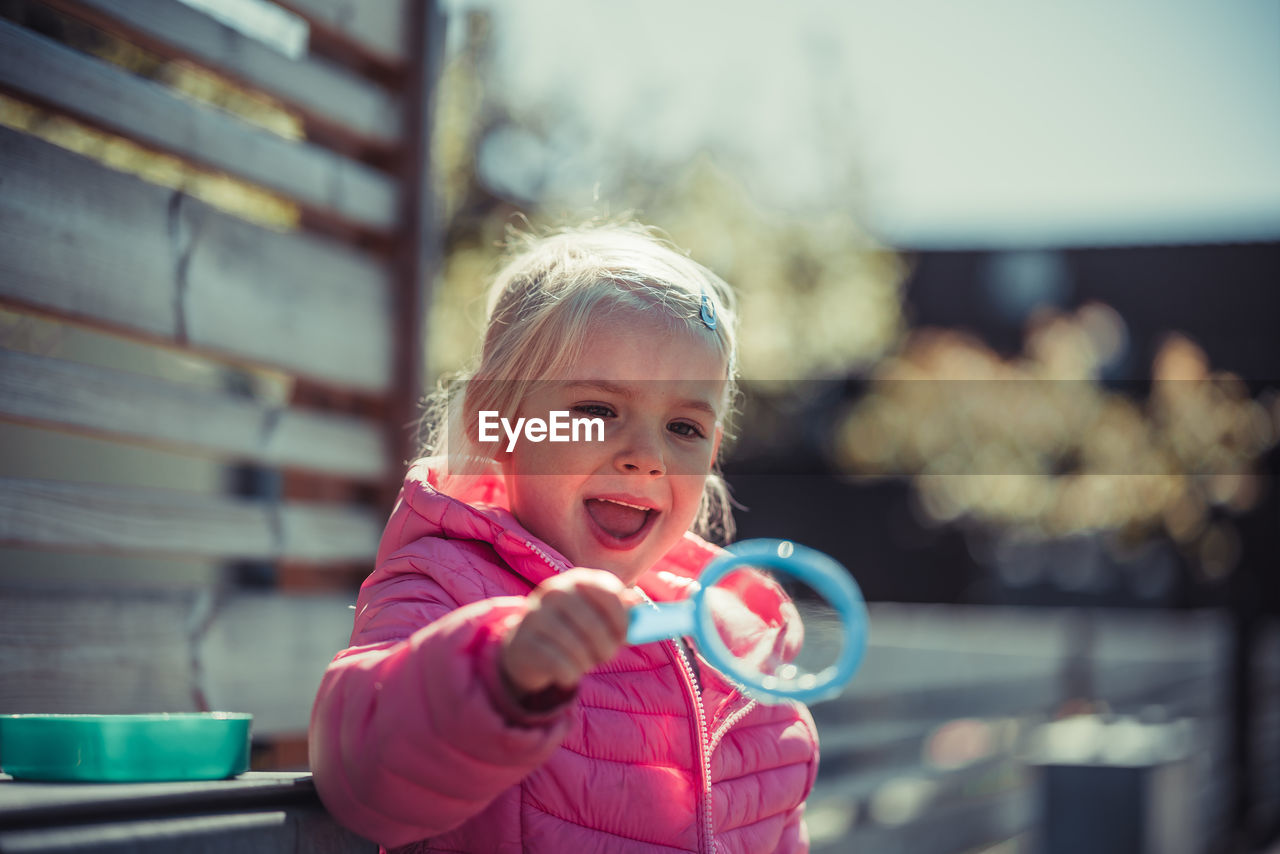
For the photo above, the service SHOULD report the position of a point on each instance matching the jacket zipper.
(540, 553)
(701, 735)
(704, 750)
(729, 722)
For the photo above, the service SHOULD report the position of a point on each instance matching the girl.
(488, 702)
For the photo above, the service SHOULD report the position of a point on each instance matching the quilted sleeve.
(795, 835)
(411, 732)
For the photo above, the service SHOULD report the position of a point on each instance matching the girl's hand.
(576, 621)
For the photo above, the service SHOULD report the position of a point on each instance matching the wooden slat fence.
(94, 91)
(369, 29)
(311, 330)
(359, 114)
(152, 262)
(121, 405)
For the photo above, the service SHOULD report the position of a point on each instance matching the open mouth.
(618, 519)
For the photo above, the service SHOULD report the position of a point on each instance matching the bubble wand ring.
(695, 616)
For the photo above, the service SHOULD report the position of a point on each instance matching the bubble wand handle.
(657, 622)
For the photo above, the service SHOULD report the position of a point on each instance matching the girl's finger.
(591, 629)
(532, 662)
(611, 606)
(606, 593)
(553, 630)
(561, 669)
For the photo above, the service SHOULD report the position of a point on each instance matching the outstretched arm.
(412, 732)
(413, 735)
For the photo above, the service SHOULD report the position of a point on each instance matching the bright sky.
(986, 122)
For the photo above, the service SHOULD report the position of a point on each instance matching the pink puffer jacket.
(414, 743)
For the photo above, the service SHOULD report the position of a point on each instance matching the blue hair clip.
(708, 312)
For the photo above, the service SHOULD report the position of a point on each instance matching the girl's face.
(621, 503)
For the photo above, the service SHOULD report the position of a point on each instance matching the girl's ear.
(715, 445)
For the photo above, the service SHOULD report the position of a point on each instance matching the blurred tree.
(1042, 448)
(1038, 448)
(819, 297)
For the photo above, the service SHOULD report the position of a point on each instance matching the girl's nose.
(641, 454)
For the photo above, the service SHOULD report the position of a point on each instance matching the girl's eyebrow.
(600, 385)
(626, 393)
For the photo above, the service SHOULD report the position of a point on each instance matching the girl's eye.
(593, 410)
(686, 429)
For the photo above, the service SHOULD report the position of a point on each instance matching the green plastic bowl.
(125, 748)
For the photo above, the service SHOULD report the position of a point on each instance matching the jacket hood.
(476, 508)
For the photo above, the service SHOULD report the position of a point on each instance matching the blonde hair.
(540, 308)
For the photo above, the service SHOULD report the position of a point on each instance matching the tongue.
(616, 519)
